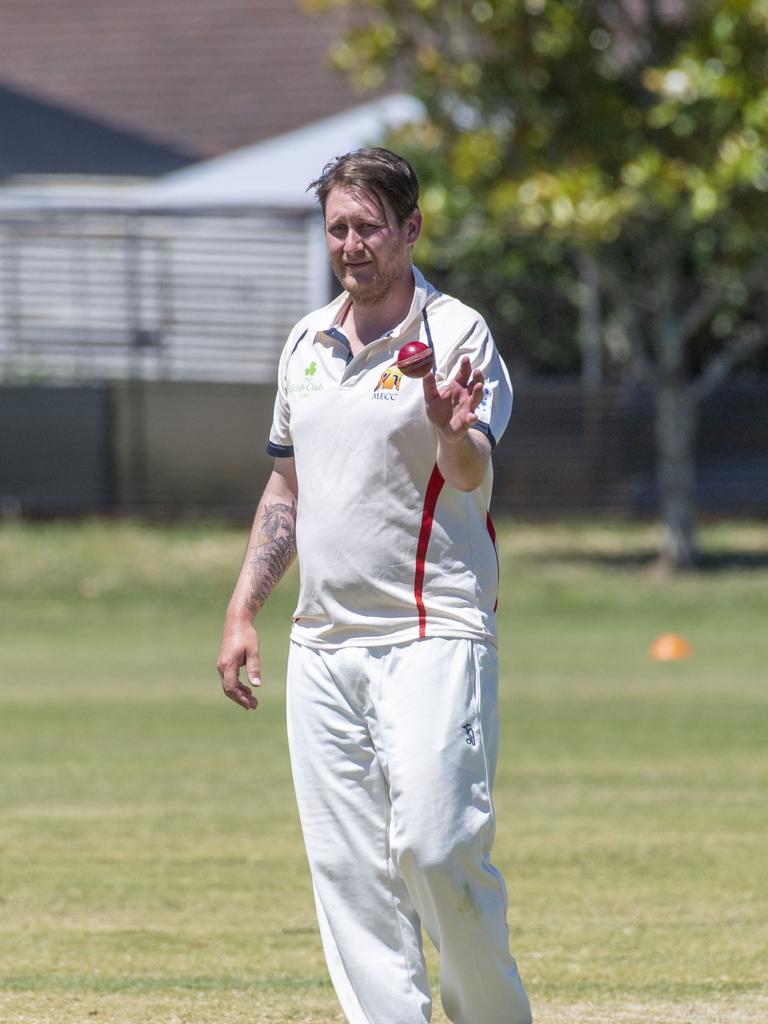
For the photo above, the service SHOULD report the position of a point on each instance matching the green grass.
(151, 868)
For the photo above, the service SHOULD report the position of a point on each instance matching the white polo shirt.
(388, 551)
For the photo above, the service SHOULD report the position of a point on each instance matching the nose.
(353, 242)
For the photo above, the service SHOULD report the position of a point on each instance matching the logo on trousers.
(470, 733)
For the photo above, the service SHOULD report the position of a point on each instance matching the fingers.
(430, 387)
(469, 378)
(466, 378)
(234, 688)
(237, 691)
(476, 388)
(451, 407)
(243, 696)
(253, 667)
(231, 659)
(465, 369)
(239, 649)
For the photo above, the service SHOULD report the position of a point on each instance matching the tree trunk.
(590, 323)
(676, 426)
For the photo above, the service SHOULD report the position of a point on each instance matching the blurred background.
(595, 181)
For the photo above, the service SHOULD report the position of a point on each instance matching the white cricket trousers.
(393, 752)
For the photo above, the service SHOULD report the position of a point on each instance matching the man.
(382, 484)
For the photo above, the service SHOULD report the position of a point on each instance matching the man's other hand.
(240, 647)
(451, 407)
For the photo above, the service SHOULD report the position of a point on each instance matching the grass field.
(151, 868)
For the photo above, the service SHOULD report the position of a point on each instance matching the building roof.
(43, 138)
(276, 172)
(201, 75)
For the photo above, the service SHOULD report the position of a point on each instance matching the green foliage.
(635, 133)
(619, 153)
(578, 116)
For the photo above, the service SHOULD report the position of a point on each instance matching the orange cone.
(670, 647)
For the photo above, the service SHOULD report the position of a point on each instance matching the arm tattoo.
(273, 553)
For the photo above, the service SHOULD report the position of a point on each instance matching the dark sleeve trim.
(280, 451)
(485, 429)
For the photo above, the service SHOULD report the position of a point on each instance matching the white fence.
(89, 295)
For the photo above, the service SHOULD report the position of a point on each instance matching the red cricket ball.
(415, 359)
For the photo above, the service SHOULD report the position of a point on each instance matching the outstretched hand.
(451, 407)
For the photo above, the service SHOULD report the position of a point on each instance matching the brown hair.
(377, 172)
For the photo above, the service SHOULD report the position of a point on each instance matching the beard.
(369, 291)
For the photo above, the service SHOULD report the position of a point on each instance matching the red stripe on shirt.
(434, 487)
(492, 533)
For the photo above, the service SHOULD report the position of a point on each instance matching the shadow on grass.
(726, 561)
(647, 560)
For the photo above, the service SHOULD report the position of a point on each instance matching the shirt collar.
(421, 293)
(328, 318)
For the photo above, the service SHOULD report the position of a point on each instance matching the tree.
(628, 136)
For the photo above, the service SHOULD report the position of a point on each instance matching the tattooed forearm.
(273, 552)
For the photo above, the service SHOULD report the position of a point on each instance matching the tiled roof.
(202, 75)
(44, 138)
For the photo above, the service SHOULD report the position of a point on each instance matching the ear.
(413, 226)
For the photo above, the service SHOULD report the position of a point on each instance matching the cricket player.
(381, 485)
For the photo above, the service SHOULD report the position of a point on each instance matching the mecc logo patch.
(389, 384)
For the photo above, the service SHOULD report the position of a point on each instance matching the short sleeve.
(494, 411)
(280, 444)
